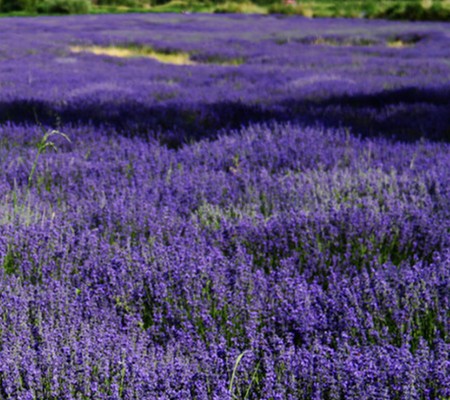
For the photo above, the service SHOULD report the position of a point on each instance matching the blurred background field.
(224, 71)
(432, 10)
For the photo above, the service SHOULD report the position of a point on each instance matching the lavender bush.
(273, 227)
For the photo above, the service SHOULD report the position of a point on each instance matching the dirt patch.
(174, 58)
(165, 57)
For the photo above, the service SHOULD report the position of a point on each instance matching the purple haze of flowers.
(373, 76)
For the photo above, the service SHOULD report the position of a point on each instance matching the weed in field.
(44, 144)
(21, 204)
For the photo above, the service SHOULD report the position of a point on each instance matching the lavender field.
(224, 207)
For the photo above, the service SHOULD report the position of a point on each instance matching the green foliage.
(228, 8)
(120, 3)
(10, 262)
(283, 9)
(158, 2)
(412, 10)
(64, 7)
(415, 12)
(369, 7)
(265, 2)
(47, 6)
(8, 6)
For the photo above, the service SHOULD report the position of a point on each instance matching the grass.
(44, 144)
(233, 377)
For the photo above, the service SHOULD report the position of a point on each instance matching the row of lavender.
(279, 261)
(372, 76)
(134, 271)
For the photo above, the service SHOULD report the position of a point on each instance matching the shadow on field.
(406, 115)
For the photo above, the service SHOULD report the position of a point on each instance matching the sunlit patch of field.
(174, 58)
(164, 57)
(398, 44)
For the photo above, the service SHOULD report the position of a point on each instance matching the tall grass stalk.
(233, 377)
(21, 204)
(42, 146)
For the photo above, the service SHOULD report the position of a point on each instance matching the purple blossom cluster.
(213, 231)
